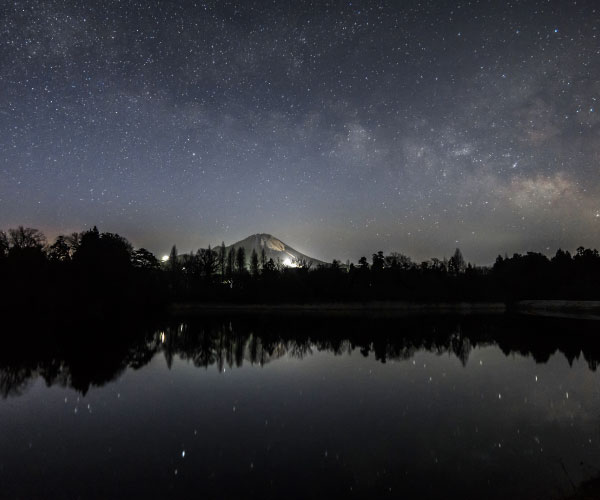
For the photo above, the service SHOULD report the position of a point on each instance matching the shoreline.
(575, 309)
(390, 309)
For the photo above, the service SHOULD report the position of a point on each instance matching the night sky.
(342, 128)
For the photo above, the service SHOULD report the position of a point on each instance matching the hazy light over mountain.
(274, 249)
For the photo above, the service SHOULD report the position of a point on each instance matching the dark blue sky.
(340, 127)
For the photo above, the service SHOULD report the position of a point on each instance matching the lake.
(292, 407)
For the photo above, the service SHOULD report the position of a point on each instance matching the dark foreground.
(271, 407)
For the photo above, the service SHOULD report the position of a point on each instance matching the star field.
(340, 127)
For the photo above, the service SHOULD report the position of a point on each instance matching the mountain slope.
(274, 249)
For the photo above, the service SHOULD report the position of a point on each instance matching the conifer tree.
(263, 258)
(222, 258)
(240, 260)
(231, 262)
(254, 263)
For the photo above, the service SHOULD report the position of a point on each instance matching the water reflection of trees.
(85, 357)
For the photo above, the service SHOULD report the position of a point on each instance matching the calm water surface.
(303, 408)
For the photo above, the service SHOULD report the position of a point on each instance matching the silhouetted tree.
(562, 258)
(270, 267)
(586, 254)
(59, 251)
(498, 263)
(73, 240)
(456, 264)
(104, 251)
(438, 265)
(305, 264)
(378, 261)
(254, 263)
(231, 262)
(173, 261)
(222, 258)
(240, 260)
(3, 244)
(263, 258)
(143, 259)
(397, 260)
(89, 245)
(208, 262)
(25, 237)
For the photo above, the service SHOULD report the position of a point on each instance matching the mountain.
(274, 249)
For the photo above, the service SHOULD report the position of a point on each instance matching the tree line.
(100, 271)
(89, 272)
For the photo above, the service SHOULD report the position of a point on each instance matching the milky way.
(340, 127)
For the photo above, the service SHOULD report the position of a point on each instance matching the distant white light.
(164, 258)
(287, 262)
